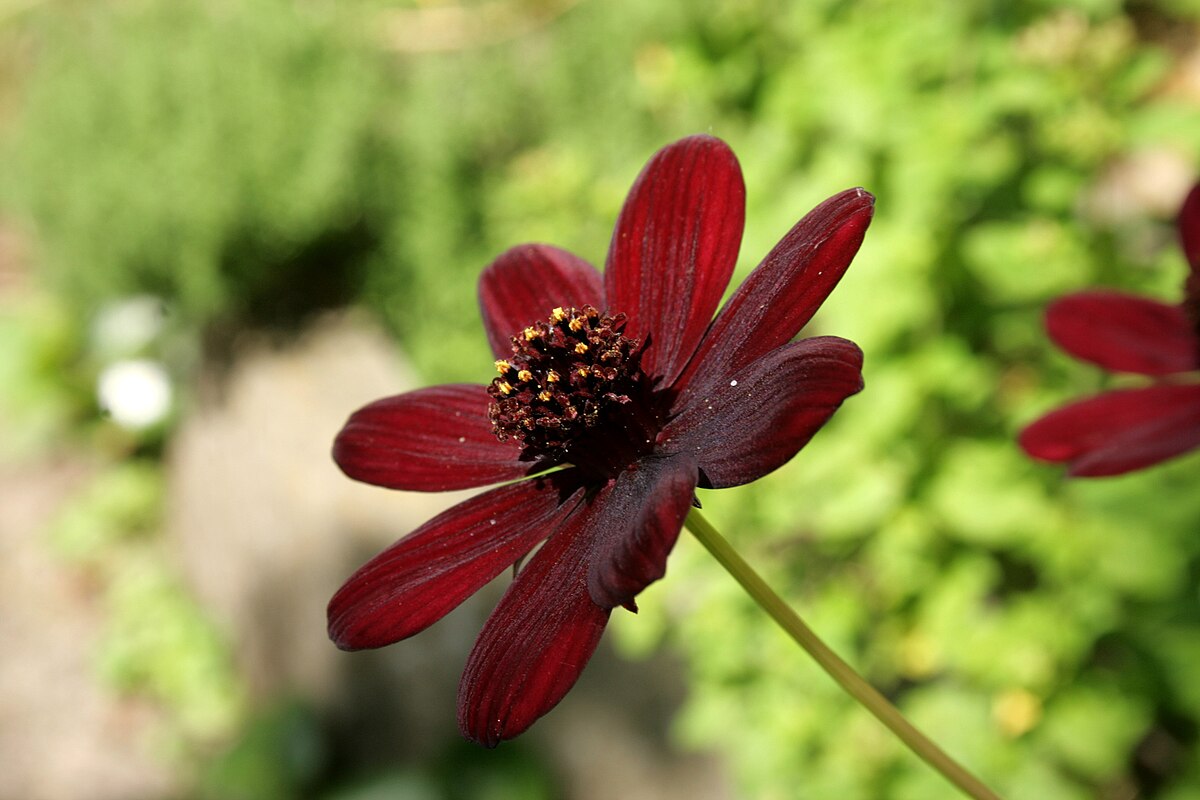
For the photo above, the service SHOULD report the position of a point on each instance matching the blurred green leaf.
(1090, 729)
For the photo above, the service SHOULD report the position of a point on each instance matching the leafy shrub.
(224, 156)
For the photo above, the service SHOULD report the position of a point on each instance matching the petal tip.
(855, 199)
(489, 737)
(343, 644)
(342, 636)
(705, 139)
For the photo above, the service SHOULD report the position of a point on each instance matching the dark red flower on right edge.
(1128, 429)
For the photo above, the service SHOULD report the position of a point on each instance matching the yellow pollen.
(545, 396)
(581, 348)
(531, 334)
(503, 366)
(583, 372)
(553, 377)
(576, 324)
(505, 387)
(558, 314)
(525, 375)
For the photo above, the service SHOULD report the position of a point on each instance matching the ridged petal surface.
(741, 424)
(1118, 431)
(674, 249)
(1123, 332)
(781, 295)
(526, 283)
(431, 440)
(425, 575)
(639, 524)
(537, 641)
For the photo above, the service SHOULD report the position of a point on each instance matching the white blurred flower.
(135, 392)
(126, 326)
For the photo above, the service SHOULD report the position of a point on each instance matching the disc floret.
(563, 375)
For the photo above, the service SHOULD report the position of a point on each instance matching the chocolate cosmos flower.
(1128, 429)
(627, 384)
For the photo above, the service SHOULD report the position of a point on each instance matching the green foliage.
(1002, 607)
(122, 504)
(210, 153)
(161, 645)
(224, 156)
(158, 642)
(284, 752)
(279, 754)
(41, 396)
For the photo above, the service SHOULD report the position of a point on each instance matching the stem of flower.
(829, 661)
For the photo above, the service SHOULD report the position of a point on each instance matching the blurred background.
(224, 225)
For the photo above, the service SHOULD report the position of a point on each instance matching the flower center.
(564, 378)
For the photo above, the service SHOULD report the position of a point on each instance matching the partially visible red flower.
(628, 384)
(1128, 429)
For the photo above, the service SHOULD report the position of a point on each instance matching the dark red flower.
(1128, 429)
(627, 383)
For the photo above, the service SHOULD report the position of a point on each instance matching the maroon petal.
(537, 641)
(420, 578)
(1189, 228)
(674, 249)
(1123, 332)
(638, 526)
(752, 421)
(1118, 431)
(787, 288)
(430, 440)
(1189, 236)
(526, 283)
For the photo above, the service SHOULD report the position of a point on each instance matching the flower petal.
(781, 295)
(1189, 237)
(754, 420)
(430, 440)
(638, 526)
(1123, 332)
(537, 641)
(526, 283)
(1189, 228)
(675, 247)
(425, 575)
(1118, 431)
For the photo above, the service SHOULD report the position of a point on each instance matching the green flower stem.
(838, 669)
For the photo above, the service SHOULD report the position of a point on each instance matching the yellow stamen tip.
(581, 348)
(558, 314)
(505, 387)
(553, 377)
(545, 397)
(503, 366)
(525, 375)
(576, 324)
(531, 334)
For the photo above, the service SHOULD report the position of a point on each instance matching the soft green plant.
(224, 156)
(1043, 630)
